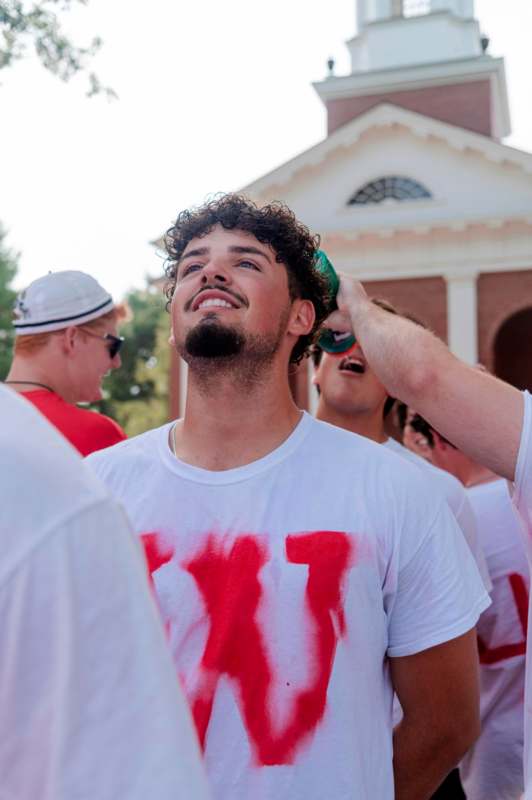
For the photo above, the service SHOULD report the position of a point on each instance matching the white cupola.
(396, 33)
(428, 56)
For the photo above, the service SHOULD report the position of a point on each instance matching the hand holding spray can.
(332, 341)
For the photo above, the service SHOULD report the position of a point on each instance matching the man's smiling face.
(231, 294)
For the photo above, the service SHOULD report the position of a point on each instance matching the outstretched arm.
(478, 413)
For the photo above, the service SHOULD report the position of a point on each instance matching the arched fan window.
(392, 187)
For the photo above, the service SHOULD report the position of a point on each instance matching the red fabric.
(86, 430)
(493, 655)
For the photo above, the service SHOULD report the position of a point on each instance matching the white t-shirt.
(285, 584)
(493, 768)
(90, 706)
(456, 497)
(522, 498)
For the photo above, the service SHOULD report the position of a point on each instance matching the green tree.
(136, 395)
(8, 270)
(36, 25)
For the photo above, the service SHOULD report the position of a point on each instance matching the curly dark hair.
(273, 224)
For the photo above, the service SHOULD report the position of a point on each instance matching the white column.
(183, 382)
(462, 316)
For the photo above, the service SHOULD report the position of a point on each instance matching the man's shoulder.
(351, 451)
(341, 443)
(97, 420)
(46, 482)
(490, 497)
(454, 490)
(139, 449)
(448, 484)
(326, 431)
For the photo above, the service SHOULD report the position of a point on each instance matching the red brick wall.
(500, 295)
(467, 105)
(426, 298)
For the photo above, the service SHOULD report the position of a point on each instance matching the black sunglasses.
(115, 342)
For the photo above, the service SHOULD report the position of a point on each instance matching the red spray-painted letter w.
(229, 583)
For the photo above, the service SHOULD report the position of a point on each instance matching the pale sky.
(211, 95)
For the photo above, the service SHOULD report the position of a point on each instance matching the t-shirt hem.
(445, 635)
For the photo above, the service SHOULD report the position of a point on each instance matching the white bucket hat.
(58, 300)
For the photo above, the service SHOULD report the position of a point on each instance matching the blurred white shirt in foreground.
(91, 704)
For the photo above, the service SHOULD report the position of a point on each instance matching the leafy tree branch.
(36, 25)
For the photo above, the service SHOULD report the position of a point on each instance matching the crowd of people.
(249, 602)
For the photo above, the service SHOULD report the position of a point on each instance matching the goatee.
(212, 350)
(213, 340)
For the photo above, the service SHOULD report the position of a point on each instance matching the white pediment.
(473, 180)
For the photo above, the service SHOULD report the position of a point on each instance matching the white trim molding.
(385, 115)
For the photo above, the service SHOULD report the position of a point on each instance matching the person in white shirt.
(493, 768)
(352, 397)
(301, 578)
(487, 419)
(91, 707)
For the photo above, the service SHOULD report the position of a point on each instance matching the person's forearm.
(422, 760)
(405, 357)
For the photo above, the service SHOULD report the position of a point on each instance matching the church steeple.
(373, 10)
(394, 33)
(425, 55)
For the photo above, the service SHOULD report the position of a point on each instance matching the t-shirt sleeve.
(522, 488)
(438, 593)
(466, 520)
(87, 687)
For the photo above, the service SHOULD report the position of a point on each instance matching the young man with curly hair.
(302, 576)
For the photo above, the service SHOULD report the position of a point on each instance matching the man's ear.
(302, 317)
(439, 443)
(70, 339)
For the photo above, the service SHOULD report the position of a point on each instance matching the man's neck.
(470, 473)
(370, 424)
(475, 474)
(227, 424)
(25, 376)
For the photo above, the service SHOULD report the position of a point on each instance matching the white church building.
(412, 190)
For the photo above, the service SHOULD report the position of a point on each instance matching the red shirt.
(86, 430)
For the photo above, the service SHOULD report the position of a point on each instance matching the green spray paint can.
(332, 341)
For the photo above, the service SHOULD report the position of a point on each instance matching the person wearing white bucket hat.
(66, 342)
